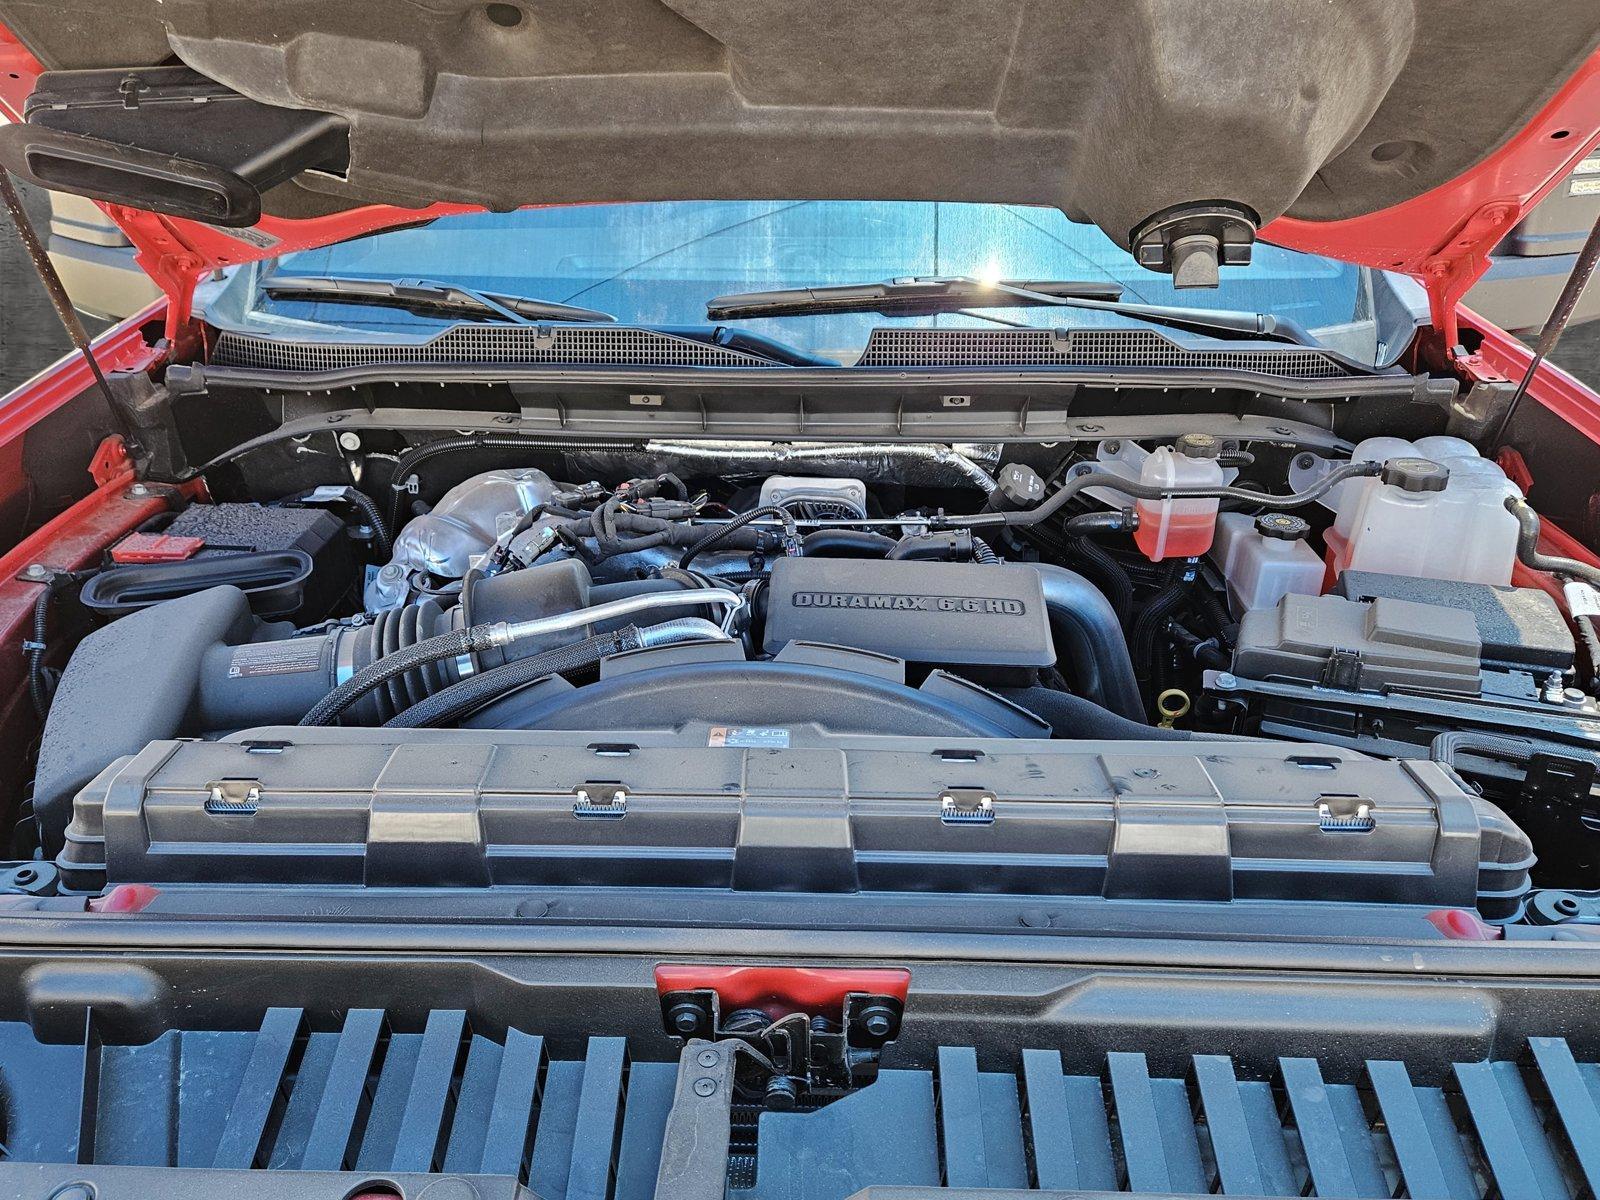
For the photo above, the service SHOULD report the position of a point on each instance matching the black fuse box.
(1521, 628)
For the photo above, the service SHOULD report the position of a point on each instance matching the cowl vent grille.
(580, 1119)
(606, 345)
(1080, 348)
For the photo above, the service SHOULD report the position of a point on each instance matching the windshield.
(658, 263)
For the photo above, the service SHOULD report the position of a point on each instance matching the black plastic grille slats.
(491, 344)
(258, 1094)
(301, 1093)
(499, 1145)
(1509, 1130)
(1246, 1138)
(980, 1124)
(420, 1140)
(1158, 1138)
(1066, 1126)
(1428, 1151)
(1080, 348)
(1334, 1134)
(333, 1126)
(1574, 1102)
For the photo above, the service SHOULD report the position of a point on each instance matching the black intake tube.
(845, 543)
(1075, 719)
(1089, 640)
(453, 644)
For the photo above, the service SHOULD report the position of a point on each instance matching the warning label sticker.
(763, 737)
(1582, 599)
(275, 658)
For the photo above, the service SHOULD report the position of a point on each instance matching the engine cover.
(961, 614)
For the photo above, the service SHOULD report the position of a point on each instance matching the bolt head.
(707, 1058)
(138, 489)
(37, 571)
(877, 1024)
(705, 1087)
(685, 1018)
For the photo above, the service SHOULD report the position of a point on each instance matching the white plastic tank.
(1266, 558)
(1179, 528)
(1427, 519)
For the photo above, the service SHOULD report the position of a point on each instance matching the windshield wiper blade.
(428, 296)
(915, 296)
(924, 296)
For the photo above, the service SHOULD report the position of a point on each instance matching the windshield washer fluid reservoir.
(1178, 528)
(1428, 520)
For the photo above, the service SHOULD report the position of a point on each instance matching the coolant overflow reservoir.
(1179, 528)
(1431, 520)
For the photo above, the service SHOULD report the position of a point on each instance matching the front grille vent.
(499, 345)
(1081, 348)
(580, 1120)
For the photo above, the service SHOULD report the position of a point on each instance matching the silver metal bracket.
(966, 806)
(600, 801)
(242, 796)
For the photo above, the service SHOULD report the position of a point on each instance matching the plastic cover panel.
(575, 1119)
(1080, 348)
(1076, 819)
(510, 344)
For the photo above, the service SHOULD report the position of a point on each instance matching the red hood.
(1441, 234)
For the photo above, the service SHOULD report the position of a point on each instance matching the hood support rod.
(59, 300)
(1554, 326)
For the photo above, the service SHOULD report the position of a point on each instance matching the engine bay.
(1189, 668)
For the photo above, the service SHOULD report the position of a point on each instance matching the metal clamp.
(966, 806)
(600, 801)
(229, 796)
(1345, 814)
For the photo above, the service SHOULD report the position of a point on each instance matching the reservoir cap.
(1286, 526)
(1415, 475)
(1198, 445)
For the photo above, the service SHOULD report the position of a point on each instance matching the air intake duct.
(206, 664)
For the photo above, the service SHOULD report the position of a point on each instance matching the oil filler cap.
(1415, 475)
(1282, 525)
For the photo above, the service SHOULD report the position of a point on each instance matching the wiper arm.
(922, 296)
(428, 296)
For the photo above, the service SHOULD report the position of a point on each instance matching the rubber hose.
(845, 543)
(37, 689)
(1445, 747)
(1161, 606)
(1528, 546)
(716, 536)
(373, 676)
(469, 694)
(382, 543)
(1221, 621)
(1112, 575)
(1146, 491)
